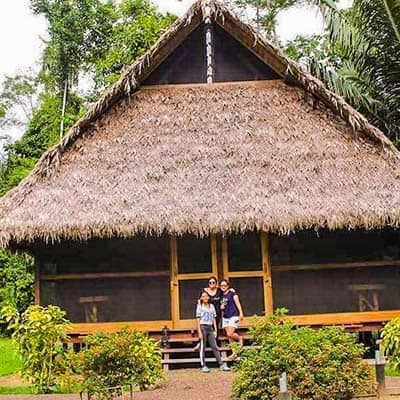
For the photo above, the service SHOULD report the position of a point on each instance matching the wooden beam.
(355, 319)
(344, 318)
(257, 84)
(37, 285)
(190, 277)
(360, 264)
(266, 263)
(87, 328)
(174, 281)
(105, 275)
(246, 274)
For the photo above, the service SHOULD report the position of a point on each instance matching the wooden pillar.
(37, 285)
(174, 281)
(214, 255)
(209, 41)
(225, 260)
(267, 270)
(380, 375)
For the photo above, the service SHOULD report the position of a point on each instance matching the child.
(207, 329)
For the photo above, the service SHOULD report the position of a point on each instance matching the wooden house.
(214, 154)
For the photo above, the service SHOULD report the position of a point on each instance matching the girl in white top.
(207, 329)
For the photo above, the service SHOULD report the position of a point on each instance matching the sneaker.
(205, 369)
(224, 367)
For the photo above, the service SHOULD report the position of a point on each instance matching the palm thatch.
(209, 158)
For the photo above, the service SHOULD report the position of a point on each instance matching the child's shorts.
(233, 322)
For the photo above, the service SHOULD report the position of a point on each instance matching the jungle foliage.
(321, 364)
(38, 333)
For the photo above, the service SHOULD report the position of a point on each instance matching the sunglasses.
(212, 281)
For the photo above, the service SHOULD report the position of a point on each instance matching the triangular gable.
(232, 61)
(186, 64)
(235, 62)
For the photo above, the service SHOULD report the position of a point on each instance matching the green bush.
(16, 280)
(391, 343)
(38, 334)
(118, 359)
(320, 364)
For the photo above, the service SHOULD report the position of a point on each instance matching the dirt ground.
(180, 385)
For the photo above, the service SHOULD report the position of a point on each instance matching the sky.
(22, 33)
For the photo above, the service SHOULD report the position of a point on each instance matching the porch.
(348, 278)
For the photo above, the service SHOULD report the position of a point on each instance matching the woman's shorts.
(233, 322)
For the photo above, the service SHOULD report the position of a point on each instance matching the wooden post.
(267, 271)
(37, 285)
(174, 281)
(380, 375)
(209, 42)
(284, 394)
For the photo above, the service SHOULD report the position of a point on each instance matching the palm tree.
(366, 39)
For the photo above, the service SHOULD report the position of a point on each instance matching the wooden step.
(194, 360)
(191, 350)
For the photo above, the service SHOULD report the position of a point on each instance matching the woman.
(207, 327)
(232, 313)
(215, 295)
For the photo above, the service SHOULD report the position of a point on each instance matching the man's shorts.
(233, 322)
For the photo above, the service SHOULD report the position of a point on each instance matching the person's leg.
(213, 345)
(203, 347)
(233, 336)
(230, 331)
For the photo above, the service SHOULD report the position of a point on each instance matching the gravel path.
(180, 385)
(184, 385)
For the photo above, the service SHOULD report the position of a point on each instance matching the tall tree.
(77, 30)
(138, 27)
(367, 40)
(263, 13)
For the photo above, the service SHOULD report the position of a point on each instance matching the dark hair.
(224, 280)
(201, 294)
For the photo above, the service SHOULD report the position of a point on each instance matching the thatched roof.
(209, 158)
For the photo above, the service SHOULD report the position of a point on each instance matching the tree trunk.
(64, 105)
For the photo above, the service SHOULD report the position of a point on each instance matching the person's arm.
(238, 305)
(200, 334)
(198, 316)
(214, 320)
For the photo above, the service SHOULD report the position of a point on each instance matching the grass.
(9, 361)
(389, 371)
(16, 390)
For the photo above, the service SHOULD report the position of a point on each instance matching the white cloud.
(174, 6)
(20, 45)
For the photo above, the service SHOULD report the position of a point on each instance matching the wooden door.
(247, 266)
(193, 261)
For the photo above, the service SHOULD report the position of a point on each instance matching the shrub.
(118, 359)
(16, 280)
(320, 364)
(38, 334)
(391, 343)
